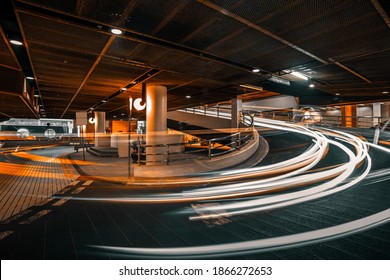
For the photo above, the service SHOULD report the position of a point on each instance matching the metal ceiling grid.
(61, 64)
(328, 20)
(333, 74)
(303, 14)
(14, 107)
(281, 58)
(244, 45)
(107, 11)
(184, 27)
(122, 48)
(11, 80)
(6, 58)
(146, 18)
(360, 89)
(259, 11)
(172, 80)
(68, 6)
(147, 54)
(109, 76)
(62, 35)
(362, 37)
(375, 67)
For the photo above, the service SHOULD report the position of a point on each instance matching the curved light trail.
(291, 174)
(260, 245)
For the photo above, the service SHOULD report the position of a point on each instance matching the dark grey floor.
(67, 229)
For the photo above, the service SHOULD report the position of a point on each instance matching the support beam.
(84, 81)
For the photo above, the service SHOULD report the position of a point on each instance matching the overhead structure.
(80, 55)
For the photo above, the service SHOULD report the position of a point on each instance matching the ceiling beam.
(258, 28)
(381, 12)
(353, 72)
(84, 81)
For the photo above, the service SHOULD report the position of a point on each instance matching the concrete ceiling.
(204, 49)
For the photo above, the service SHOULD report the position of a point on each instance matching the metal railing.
(200, 149)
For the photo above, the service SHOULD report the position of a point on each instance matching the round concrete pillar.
(156, 108)
(101, 139)
(156, 124)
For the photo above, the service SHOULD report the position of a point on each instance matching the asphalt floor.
(61, 228)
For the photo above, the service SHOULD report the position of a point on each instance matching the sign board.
(81, 118)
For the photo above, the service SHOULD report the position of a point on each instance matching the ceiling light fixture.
(337, 93)
(256, 70)
(385, 92)
(123, 88)
(104, 101)
(311, 85)
(29, 78)
(188, 96)
(16, 42)
(299, 75)
(116, 31)
(251, 87)
(279, 80)
(36, 95)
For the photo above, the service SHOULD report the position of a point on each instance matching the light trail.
(302, 163)
(257, 246)
(299, 172)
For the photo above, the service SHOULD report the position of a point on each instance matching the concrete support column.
(385, 111)
(376, 113)
(101, 139)
(156, 123)
(236, 106)
(348, 116)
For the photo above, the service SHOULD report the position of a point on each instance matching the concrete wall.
(199, 120)
(273, 103)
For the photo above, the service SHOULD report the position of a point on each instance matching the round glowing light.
(22, 133)
(138, 106)
(92, 120)
(50, 133)
(256, 70)
(16, 42)
(116, 31)
(311, 85)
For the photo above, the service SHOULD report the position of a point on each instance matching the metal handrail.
(238, 140)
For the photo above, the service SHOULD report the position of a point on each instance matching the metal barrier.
(205, 148)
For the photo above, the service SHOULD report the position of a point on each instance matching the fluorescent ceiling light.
(36, 95)
(16, 42)
(116, 31)
(29, 78)
(188, 96)
(311, 85)
(104, 101)
(299, 75)
(256, 70)
(279, 80)
(385, 92)
(123, 88)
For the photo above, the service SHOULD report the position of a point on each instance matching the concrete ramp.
(200, 121)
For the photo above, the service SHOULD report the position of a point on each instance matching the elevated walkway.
(181, 165)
